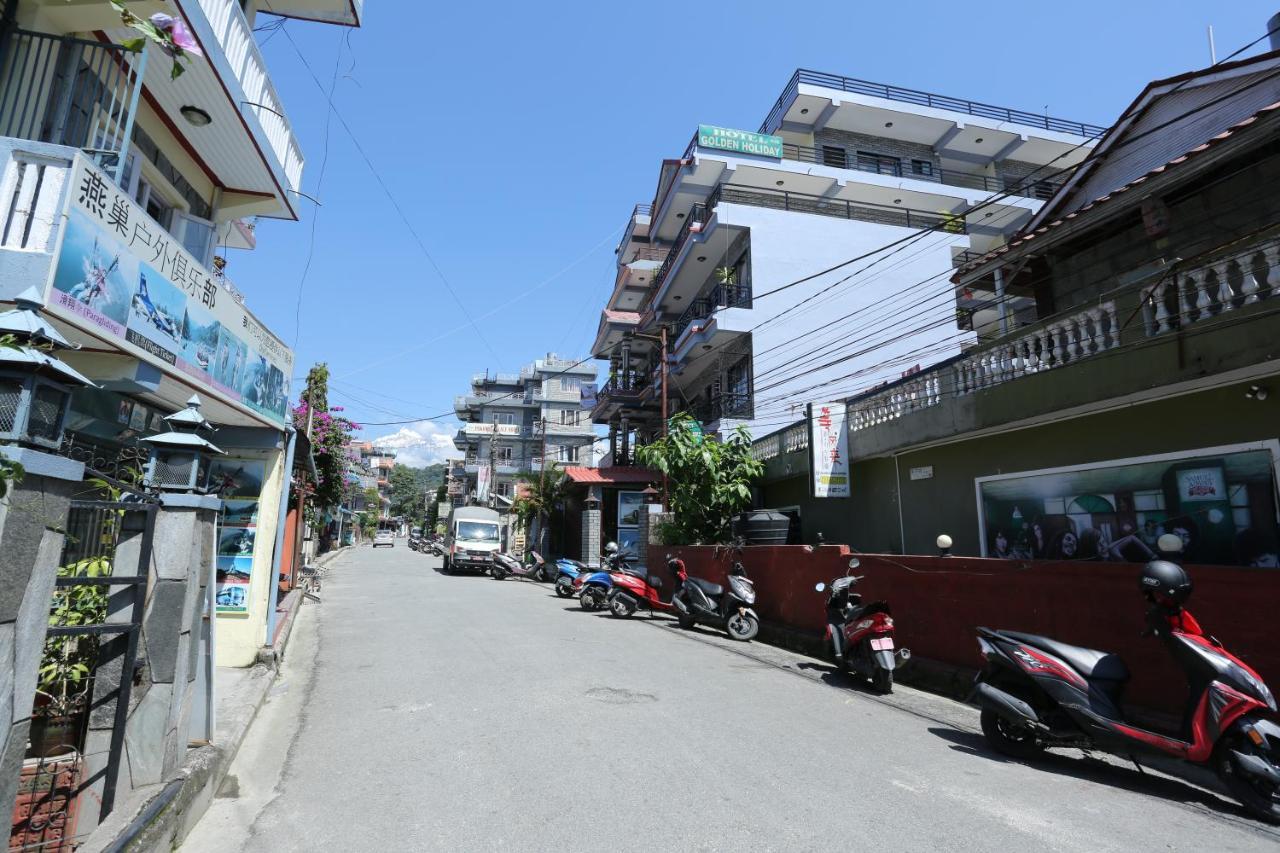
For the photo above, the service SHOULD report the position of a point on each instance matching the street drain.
(619, 696)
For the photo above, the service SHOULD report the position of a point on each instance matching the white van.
(473, 536)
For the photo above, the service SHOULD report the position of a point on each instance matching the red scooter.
(1037, 693)
(861, 635)
(631, 590)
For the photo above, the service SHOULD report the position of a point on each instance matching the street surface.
(418, 711)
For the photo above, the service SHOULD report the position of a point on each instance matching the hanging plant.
(727, 275)
(168, 32)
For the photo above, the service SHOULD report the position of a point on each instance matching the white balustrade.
(30, 201)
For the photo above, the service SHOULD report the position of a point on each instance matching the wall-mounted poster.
(234, 574)
(237, 478)
(629, 541)
(239, 483)
(1220, 501)
(119, 273)
(629, 506)
(239, 513)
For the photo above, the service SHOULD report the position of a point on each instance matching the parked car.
(384, 537)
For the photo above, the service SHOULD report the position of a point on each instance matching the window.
(506, 418)
(869, 161)
(834, 155)
(504, 454)
(922, 167)
(567, 454)
(569, 417)
(503, 488)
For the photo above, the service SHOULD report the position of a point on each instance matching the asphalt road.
(418, 711)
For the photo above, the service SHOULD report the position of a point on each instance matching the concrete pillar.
(591, 543)
(33, 515)
(157, 731)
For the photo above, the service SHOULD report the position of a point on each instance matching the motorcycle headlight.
(1259, 689)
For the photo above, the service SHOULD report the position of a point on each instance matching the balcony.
(1192, 325)
(1039, 190)
(723, 406)
(721, 296)
(228, 25)
(920, 99)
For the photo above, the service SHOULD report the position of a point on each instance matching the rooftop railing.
(921, 99)
(917, 170)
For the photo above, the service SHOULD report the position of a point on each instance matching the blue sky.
(516, 138)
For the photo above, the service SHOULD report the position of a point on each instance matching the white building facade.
(762, 263)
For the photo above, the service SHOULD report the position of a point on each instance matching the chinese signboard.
(829, 450)
(739, 141)
(122, 275)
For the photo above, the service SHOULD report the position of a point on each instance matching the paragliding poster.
(121, 275)
(238, 482)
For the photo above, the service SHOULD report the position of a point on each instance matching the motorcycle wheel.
(685, 621)
(497, 574)
(564, 589)
(882, 681)
(621, 606)
(742, 627)
(590, 600)
(1008, 739)
(1257, 796)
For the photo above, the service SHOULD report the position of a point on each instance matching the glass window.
(834, 155)
(869, 161)
(478, 531)
(922, 167)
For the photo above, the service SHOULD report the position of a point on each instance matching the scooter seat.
(1090, 663)
(707, 586)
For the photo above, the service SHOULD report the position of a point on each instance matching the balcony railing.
(650, 253)
(236, 37)
(786, 440)
(69, 91)
(642, 209)
(628, 385)
(922, 99)
(720, 296)
(840, 159)
(723, 405)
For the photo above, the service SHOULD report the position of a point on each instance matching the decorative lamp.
(180, 459)
(35, 385)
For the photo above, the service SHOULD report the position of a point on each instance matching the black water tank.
(762, 527)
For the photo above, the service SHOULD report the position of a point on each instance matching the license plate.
(882, 644)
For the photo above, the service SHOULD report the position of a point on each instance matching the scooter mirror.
(854, 562)
(819, 587)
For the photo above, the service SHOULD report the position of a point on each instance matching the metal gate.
(86, 673)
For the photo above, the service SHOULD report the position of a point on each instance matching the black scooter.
(697, 600)
(504, 566)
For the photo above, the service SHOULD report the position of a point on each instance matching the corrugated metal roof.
(613, 475)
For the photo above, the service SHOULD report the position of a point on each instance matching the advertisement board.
(1220, 501)
(739, 141)
(829, 450)
(239, 483)
(121, 275)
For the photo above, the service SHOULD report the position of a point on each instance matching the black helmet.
(1165, 582)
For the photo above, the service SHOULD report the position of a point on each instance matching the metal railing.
(839, 158)
(902, 217)
(69, 91)
(723, 405)
(720, 296)
(631, 384)
(642, 209)
(922, 99)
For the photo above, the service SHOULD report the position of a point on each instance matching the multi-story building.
(456, 481)
(1141, 395)
(123, 187)
(378, 461)
(741, 266)
(513, 422)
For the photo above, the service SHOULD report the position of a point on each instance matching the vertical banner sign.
(829, 450)
(122, 276)
(483, 477)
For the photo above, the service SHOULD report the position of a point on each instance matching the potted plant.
(62, 692)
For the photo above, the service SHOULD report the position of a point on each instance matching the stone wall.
(33, 515)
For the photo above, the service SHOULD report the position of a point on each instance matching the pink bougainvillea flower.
(184, 38)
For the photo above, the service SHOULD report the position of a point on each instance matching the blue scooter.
(567, 571)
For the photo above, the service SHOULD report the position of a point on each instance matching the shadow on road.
(1090, 769)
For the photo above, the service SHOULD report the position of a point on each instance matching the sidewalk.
(156, 818)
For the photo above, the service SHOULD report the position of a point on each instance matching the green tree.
(433, 512)
(372, 508)
(708, 481)
(407, 497)
(542, 501)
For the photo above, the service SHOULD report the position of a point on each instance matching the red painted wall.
(937, 602)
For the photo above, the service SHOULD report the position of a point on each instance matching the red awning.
(616, 475)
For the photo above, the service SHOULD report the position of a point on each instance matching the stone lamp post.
(180, 459)
(35, 385)
(35, 393)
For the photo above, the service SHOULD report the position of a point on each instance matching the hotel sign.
(739, 141)
(488, 429)
(127, 280)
